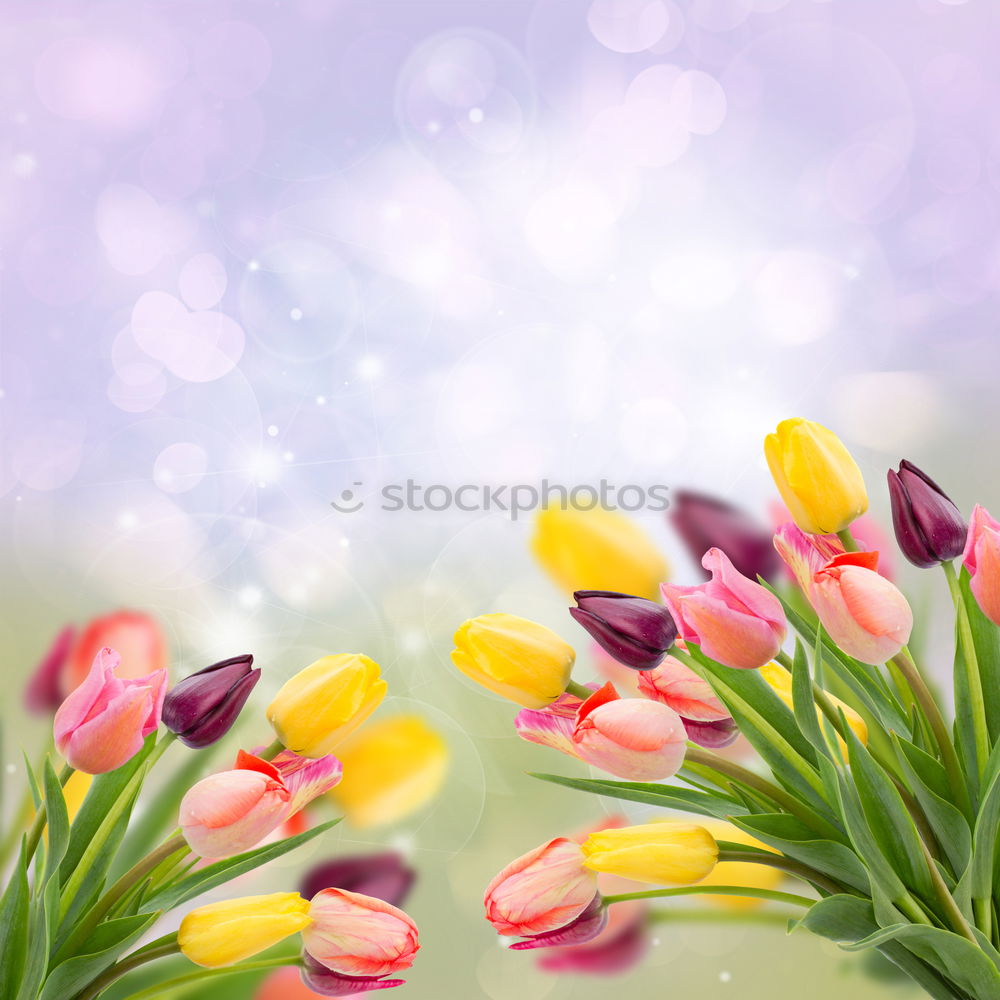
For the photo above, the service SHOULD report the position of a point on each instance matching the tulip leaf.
(14, 909)
(664, 796)
(37, 950)
(966, 965)
(986, 639)
(804, 706)
(219, 872)
(57, 818)
(978, 879)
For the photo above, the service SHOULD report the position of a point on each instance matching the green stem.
(41, 817)
(973, 676)
(847, 539)
(928, 705)
(133, 961)
(196, 977)
(713, 916)
(783, 864)
(714, 890)
(272, 750)
(578, 690)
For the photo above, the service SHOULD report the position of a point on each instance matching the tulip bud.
(392, 768)
(385, 876)
(635, 631)
(736, 621)
(597, 549)
(706, 522)
(818, 479)
(354, 937)
(665, 852)
(928, 526)
(982, 559)
(103, 723)
(324, 703)
(43, 693)
(224, 933)
(203, 707)
(514, 657)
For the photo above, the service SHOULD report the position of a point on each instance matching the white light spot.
(250, 597)
(254, 265)
(321, 400)
(725, 977)
(475, 115)
(272, 431)
(127, 520)
(288, 456)
(345, 543)
(296, 314)
(23, 164)
(369, 367)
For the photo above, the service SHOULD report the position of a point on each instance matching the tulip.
(514, 657)
(747, 874)
(137, 637)
(391, 769)
(203, 707)
(706, 720)
(233, 811)
(631, 738)
(385, 876)
(635, 631)
(541, 891)
(225, 933)
(817, 477)
(665, 852)
(928, 525)
(103, 723)
(43, 693)
(705, 522)
(324, 703)
(737, 622)
(597, 549)
(982, 559)
(354, 937)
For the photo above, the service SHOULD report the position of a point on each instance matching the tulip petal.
(713, 734)
(678, 687)
(731, 637)
(112, 737)
(327, 983)
(306, 778)
(551, 726)
(739, 592)
(585, 927)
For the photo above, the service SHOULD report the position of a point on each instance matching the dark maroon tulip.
(203, 707)
(635, 631)
(705, 522)
(328, 983)
(585, 927)
(715, 734)
(928, 525)
(385, 876)
(44, 693)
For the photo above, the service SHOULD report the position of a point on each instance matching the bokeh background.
(256, 253)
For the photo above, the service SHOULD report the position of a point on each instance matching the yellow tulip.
(597, 549)
(75, 791)
(818, 479)
(227, 932)
(323, 704)
(391, 769)
(780, 681)
(742, 873)
(514, 657)
(667, 852)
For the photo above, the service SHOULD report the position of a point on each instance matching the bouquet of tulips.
(92, 879)
(855, 783)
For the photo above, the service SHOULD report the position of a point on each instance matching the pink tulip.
(355, 941)
(736, 621)
(631, 738)
(102, 724)
(137, 637)
(232, 811)
(542, 891)
(982, 559)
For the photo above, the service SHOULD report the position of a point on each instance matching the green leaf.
(37, 951)
(220, 872)
(795, 840)
(966, 965)
(844, 919)
(979, 876)
(14, 909)
(664, 796)
(804, 705)
(36, 792)
(57, 818)
(986, 639)
(96, 954)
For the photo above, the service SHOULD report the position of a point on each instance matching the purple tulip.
(385, 876)
(328, 983)
(705, 522)
(928, 525)
(637, 632)
(203, 707)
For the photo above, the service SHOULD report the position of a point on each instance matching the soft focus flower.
(232, 811)
(706, 720)
(705, 522)
(225, 933)
(514, 657)
(102, 724)
(353, 936)
(635, 631)
(816, 476)
(780, 681)
(324, 703)
(391, 769)
(136, 637)
(742, 873)
(285, 984)
(43, 693)
(541, 891)
(75, 791)
(928, 525)
(203, 707)
(735, 620)
(385, 876)
(597, 549)
(982, 559)
(667, 852)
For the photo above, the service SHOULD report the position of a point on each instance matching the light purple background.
(255, 253)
